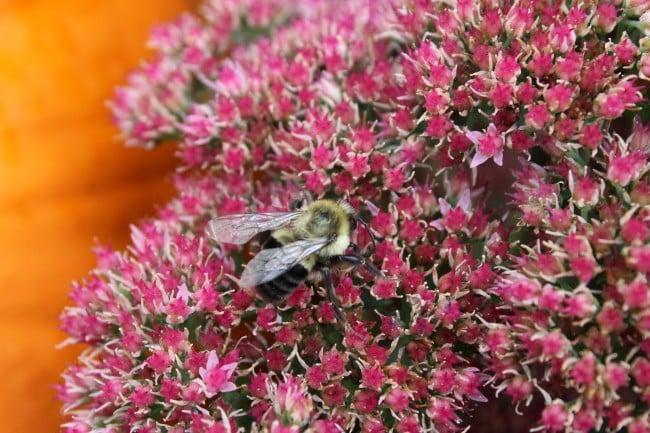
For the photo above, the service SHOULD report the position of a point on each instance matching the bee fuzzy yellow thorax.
(325, 218)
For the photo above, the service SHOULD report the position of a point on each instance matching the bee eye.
(296, 204)
(353, 224)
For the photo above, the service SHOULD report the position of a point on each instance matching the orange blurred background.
(65, 179)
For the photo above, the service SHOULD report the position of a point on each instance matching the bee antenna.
(367, 229)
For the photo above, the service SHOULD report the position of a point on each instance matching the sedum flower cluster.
(496, 149)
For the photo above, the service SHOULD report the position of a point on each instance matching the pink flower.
(639, 258)
(216, 376)
(640, 371)
(554, 417)
(322, 157)
(200, 126)
(519, 389)
(591, 136)
(606, 17)
(373, 377)
(584, 421)
(488, 144)
(436, 102)
(559, 97)
(610, 318)
(636, 294)
(438, 126)
(553, 345)
(442, 411)
(568, 67)
(334, 395)
(584, 371)
(616, 375)
(541, 64)
(316, 376)
(623, 169)
(639, 425)
(562, 37)
(519, 20)
(385, 290)
(334, 362)
(397, 399)
(610, 106)
(291, 401)
(584, 268)
(507, 68)
(586, 191)
(365, 401)
(159, 362)
(538, 116)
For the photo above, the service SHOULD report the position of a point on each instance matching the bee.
(305, 243)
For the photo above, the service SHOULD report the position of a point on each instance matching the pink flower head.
(625, 168)
(562, 37)
(559, 97)
(584, 371)
(640, 371)
(519, 20)
(488, 144)
(638, 258)
(553, 344)
(291, 401)
(516, 282)
(200, 126)
(606, 17)
(568, 67)
(616, 375)
(636, 294)
(584, 421)
(554, 417)
(519, 389)
(609, 105)
(366, 401)
(373, 377)
(397, 399)
(216, 376)
(586, 191)
(538, 116)
(507, 68)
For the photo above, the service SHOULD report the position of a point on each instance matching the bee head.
(356, 221)
(297, 204)
(353, 222)
(302, 202)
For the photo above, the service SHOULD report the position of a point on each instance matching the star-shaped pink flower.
(488, 144)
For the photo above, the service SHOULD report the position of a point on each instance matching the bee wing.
(270, 263)
(240, 228)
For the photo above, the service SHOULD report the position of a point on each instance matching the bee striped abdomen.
(282, 286)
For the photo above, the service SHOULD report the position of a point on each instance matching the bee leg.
(355, 248)
(329, 292)
(372, 269)
(349, 259)
(367, 229)
(355, 261)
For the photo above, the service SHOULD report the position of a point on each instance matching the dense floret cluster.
(497, 152)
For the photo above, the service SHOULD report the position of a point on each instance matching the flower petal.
(479, 158)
